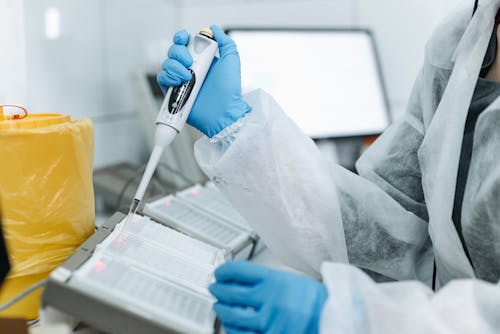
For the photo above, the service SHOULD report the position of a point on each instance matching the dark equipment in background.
(4, 259)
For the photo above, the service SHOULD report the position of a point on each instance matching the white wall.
(86, 71)
(401, 30)
(273, 13)
(12, 53)
(65, 74)
(136, 34)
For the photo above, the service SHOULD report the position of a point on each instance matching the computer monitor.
(327, 80)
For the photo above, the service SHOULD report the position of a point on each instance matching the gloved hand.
(256, 299)
(219, 102)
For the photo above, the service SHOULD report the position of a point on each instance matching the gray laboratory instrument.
(151, 279)
(153, 276)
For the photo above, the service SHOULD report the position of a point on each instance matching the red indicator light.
(100, 266)
(195, 192)
(168, 203)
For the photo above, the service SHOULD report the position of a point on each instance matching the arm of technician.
(307, 210)
(359, 305)
(256, 299)
(313, 214)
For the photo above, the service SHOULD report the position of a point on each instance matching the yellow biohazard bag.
(46, 196)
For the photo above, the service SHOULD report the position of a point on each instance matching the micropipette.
(176, 107)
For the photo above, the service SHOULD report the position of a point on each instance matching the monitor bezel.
(378, 64)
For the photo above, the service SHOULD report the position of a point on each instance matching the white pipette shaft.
(153, 162)
(163, 137)
(176, 108)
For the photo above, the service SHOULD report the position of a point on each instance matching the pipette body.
(176, 108)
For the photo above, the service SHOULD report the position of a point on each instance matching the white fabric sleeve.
(257, 166)
(276, 178)
(359, 305)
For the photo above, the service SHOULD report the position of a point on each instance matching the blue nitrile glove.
(256, 299)
(219, 103)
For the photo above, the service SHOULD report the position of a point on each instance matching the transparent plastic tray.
(198, 223)
(211, 200)
(164, 236)
(160, 261)
(144, 293)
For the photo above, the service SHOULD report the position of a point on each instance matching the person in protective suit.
(423, 211)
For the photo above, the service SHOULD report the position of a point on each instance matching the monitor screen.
(328, 81)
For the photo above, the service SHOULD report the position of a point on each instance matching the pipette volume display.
(176, 107)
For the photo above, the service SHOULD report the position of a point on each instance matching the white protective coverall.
(394, 219)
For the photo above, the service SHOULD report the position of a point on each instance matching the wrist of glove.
(203, 119)
(253, 298)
